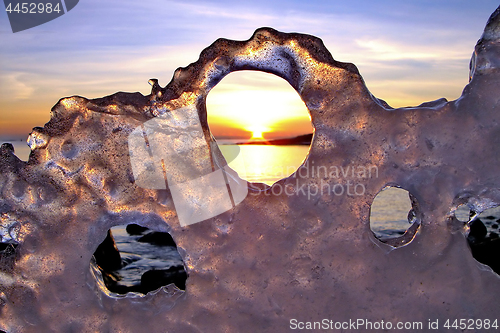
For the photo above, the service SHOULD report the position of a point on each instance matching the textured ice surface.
(289, 251)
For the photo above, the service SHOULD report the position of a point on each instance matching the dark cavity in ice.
(7, 255)
(483, 237)
(138, 259)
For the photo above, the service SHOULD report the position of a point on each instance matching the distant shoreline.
(298, 140)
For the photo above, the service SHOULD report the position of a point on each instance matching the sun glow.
(257, 135)
(256, 106)
(258, 131)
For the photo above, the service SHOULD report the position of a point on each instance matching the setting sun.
(256, 106)
(257, 135)
(258, 131)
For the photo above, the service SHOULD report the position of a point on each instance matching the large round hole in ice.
(268, 121)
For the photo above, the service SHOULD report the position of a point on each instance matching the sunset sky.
(408, 52)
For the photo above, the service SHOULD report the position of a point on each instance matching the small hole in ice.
(261, 124)
(137, 259)
(393, 218)
(483, 238)
(463, 213)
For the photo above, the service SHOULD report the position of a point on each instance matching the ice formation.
(295, 251)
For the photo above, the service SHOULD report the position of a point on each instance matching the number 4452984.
(477, 324)
(33, 8)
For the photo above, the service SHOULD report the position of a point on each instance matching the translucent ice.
(170, 150)
(300, 250)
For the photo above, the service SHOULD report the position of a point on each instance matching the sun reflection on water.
(268, 164)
